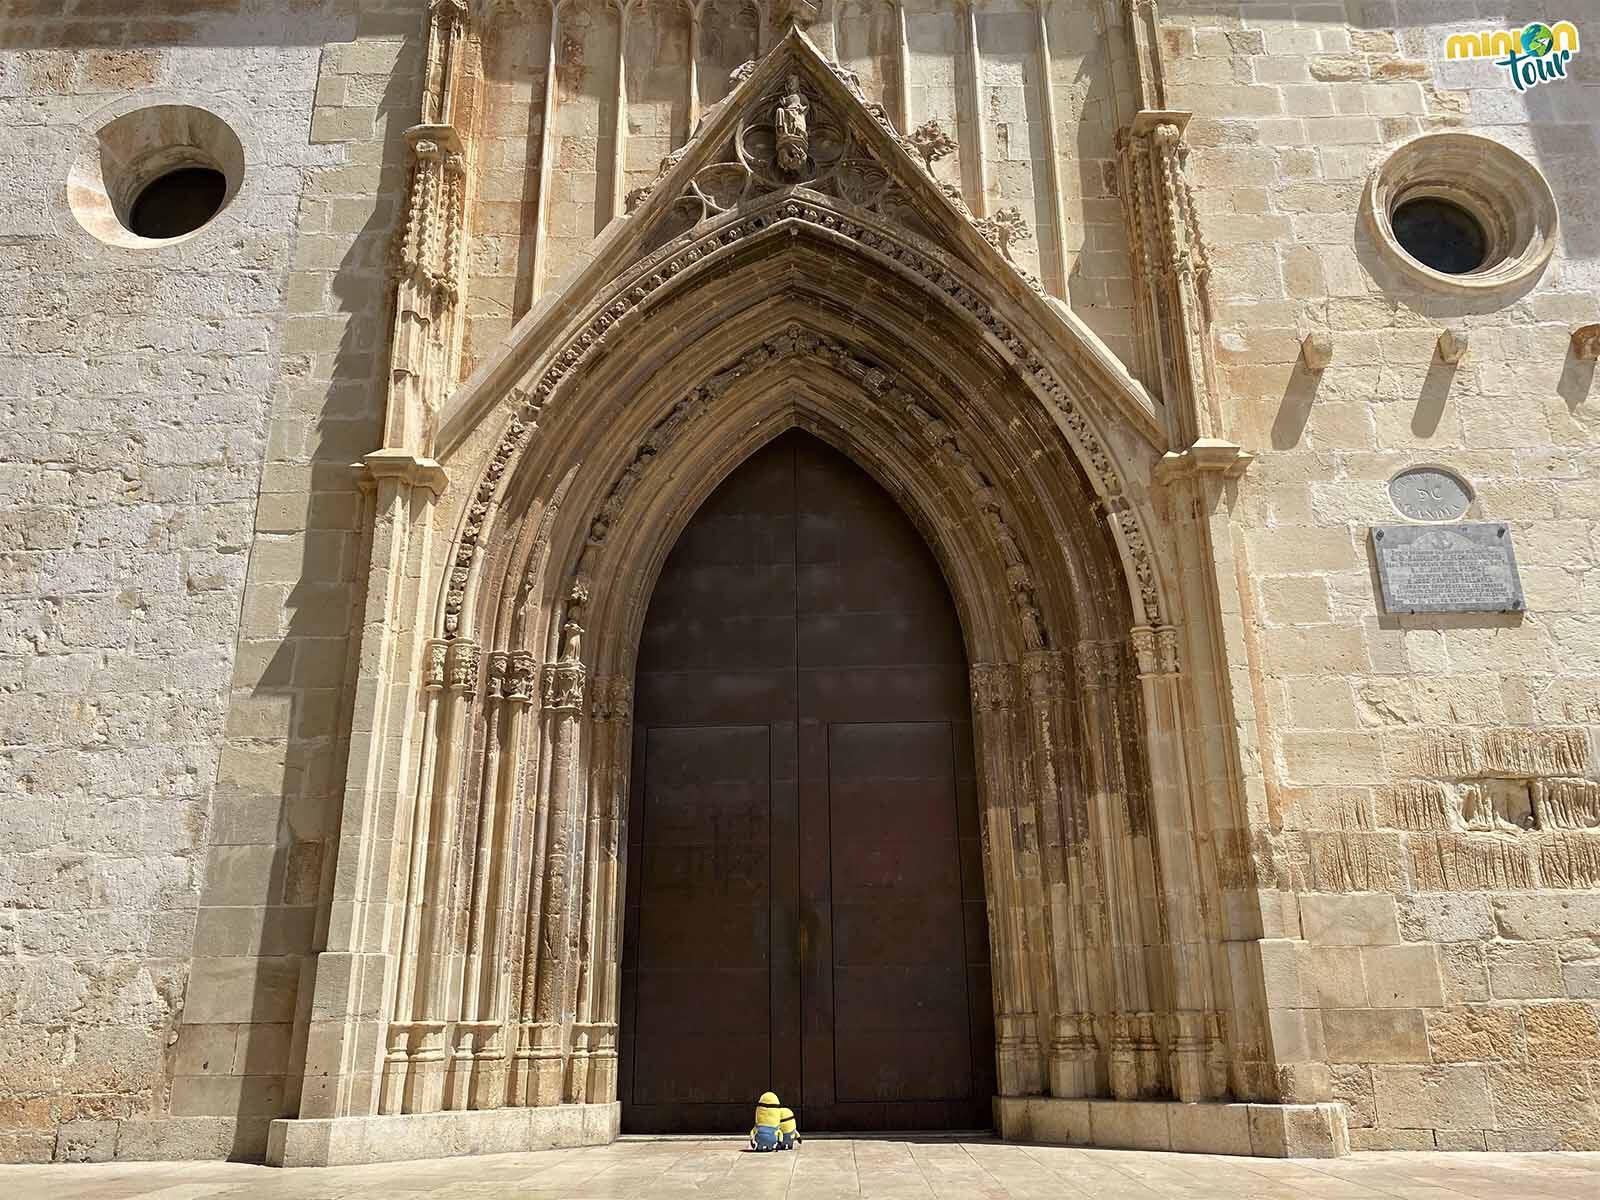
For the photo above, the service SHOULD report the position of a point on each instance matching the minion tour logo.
(1531, 56)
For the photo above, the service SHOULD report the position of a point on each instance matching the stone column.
(1116, 823)
(564, 684)
(1182, 893)
(995, 727)
(1064, 837)
(592, 1072)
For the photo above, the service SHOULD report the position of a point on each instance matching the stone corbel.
(404, 466)
(1206, 457)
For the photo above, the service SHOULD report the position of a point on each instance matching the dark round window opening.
(178, 202)
(1440, 235)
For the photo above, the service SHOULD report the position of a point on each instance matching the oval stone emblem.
(1430, 494)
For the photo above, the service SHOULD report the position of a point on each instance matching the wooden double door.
(805, 905)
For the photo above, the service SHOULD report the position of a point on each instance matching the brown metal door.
(805, 896)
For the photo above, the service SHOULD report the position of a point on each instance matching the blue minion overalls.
(775, 1126)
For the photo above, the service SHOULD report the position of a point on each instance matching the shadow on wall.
(1576, 384)
(1294, 412)
(327, 413)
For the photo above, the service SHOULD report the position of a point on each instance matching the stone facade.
(328, 532)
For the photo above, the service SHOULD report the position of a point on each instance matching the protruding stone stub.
(1316, 350)
(1453, 345)
(1586, 342)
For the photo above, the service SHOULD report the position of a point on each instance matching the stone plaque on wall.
(1447, 568)
(1430, 494)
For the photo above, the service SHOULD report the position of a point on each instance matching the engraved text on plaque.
(1447, 568)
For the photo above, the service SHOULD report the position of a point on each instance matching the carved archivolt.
(1019, 575)
(631, 300)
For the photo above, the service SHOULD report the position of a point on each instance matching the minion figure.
(775, 1126)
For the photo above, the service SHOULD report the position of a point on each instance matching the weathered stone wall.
(170, 413)
(1431, 781)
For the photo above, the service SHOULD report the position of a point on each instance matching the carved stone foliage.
(630, 300)
(932, 143)
(1004, 230)
(789, 136)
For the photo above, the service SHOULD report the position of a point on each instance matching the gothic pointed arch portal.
(479, 927)
(510, 957)
(805, 902)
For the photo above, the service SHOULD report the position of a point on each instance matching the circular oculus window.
(156, 175)
(1461, 213)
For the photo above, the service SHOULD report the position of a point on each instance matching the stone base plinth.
(348, 1141)
(1265, 1130)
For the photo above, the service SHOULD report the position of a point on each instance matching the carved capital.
(564, 685)
(994, 687)
(613, 699)
(1099, 664)
(433, 664)
(1157, 649)
(522, 672)
(1046, 674)
(461, 666)
(499, 661)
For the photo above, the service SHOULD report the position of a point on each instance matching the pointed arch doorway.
(805, 903)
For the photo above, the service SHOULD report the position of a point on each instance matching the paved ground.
(833, 1169)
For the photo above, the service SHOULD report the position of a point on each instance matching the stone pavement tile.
(1094, 1173)
(837, 1168)
(950, 1171)
(1022, 1176)
(1200, 1176)
(886, 1170)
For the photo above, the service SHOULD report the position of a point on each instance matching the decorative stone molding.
(1005, 229)
(1046, 674)
(1502, 191)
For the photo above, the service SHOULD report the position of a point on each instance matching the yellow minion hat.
(768, 1098)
